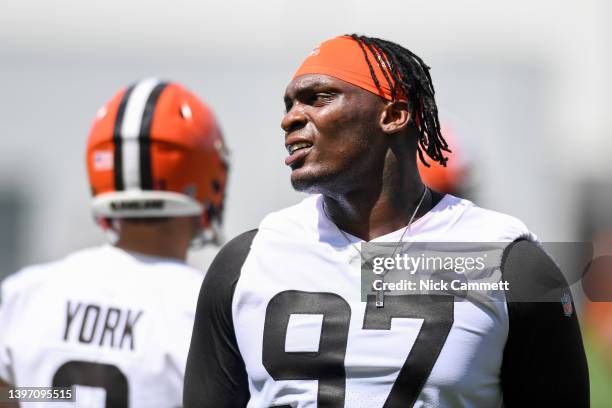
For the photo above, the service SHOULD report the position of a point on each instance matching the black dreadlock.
(409, 77)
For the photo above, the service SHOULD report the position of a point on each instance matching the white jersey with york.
(308, 340)
(115, 324)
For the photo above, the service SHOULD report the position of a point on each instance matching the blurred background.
(522, 86)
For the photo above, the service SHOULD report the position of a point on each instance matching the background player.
(453, 176)
(116, 320)
(280, 322)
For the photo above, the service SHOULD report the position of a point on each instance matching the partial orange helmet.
(449, 179)
(156, 150)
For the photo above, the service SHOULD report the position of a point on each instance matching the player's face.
(331, 134)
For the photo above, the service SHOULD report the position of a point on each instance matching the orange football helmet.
(155, 150)
(449, 179)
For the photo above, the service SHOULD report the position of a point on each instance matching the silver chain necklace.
(380, 294)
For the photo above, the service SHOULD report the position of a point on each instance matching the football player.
(280, 319)
(115, 320)
(452, 175)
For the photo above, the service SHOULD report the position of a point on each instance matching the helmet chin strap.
(111, 228)
(211, 235)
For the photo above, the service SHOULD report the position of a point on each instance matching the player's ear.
(395, 117)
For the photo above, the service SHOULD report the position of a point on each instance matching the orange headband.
(343, 58)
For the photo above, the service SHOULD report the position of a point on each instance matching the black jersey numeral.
(105, 376)
(327, 364)
(437, 313)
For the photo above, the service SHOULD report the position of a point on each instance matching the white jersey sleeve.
(7, 302)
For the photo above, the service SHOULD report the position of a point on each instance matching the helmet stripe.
(144, 139)
(130, 131)
(117, 141)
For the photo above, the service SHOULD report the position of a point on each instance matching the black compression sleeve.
(216, 376)
(544, 363)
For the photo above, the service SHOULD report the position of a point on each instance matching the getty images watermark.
(456, 271)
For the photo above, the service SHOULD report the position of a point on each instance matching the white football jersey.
(300, 322)
(115, 324)
(281, 321)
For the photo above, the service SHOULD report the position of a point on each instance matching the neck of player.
(169, 238)
(382, 204)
